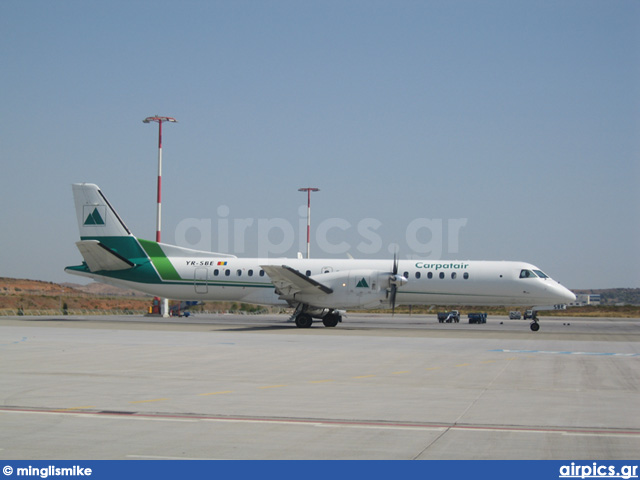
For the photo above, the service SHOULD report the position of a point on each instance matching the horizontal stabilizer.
(99, 257)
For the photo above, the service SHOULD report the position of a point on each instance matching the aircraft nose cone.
(571, 297)
(567, 295)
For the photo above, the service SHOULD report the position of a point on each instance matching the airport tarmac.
(375, 387)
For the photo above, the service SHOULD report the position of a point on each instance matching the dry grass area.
(37, 295)
(32, 296)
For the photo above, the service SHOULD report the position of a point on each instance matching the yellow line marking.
(364, 376)
(488, 361)
(433, 368)
(152, 400)
(215, 393)
(321, 381)
(400, 373)
(463, 365)
(272, 386)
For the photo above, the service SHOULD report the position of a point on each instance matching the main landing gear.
(331, 319)
(304, 320)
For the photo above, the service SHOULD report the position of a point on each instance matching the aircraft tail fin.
(112, 253)
(106, 244)
(96, 217)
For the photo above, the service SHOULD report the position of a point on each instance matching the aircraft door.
(201, 280)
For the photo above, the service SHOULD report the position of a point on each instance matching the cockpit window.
(541, 274)
(527, 274)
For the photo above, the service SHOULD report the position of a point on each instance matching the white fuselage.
(429, 282)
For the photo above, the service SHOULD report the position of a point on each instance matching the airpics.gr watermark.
(423, 237)
(595, 470)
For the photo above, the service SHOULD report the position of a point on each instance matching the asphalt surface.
(375, 387)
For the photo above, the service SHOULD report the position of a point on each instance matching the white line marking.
(158, 457)
(331, 424)
(607, 434)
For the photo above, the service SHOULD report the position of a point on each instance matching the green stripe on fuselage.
(129, 248)
(163, 265)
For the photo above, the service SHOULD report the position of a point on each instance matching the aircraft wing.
(99, 257)
(289, 281)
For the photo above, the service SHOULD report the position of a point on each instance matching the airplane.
(316, 288)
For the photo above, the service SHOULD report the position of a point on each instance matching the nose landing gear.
(535, 326)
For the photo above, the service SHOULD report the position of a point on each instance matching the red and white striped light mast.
(160, 120)
(308, 190)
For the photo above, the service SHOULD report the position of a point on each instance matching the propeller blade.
(392, 299)
(394, 287)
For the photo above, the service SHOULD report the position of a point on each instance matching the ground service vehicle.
(449, 317)
(477, 317)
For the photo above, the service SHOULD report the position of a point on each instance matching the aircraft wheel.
(304, 320)
(331, 320)
(535, 326)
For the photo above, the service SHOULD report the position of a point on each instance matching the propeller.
(394, 281)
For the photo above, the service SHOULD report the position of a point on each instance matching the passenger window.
(406, 274)
(466, 275)
(430, 275)
(262, 273)
(417, 274)
(227, 272)
(308, 273)
(239, 272)
(216, 272)
(441, 274)
(454, 275)
(250, 273)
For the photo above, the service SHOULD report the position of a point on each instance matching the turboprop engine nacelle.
(353, 289)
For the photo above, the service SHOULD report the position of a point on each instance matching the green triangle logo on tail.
(94, 218)
(362, 284)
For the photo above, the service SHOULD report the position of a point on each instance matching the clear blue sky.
(518, 120)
